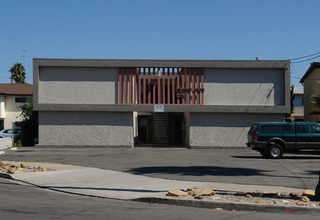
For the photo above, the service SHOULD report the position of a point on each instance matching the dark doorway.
(1, 124)
(161, 129)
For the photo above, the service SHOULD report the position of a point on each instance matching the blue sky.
(166, 29)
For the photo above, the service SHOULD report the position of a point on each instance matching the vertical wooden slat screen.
(173, 88)
(168, 86)
(187, 86)
(144, 86)
(130, 86)
(149, 88)
(202, 86)
(198, 87)
(139, 86)
(163, 86)
(159, 87)
(192, 86)
(120, 87)
(125, 86)
(135, 86)
(154, 85)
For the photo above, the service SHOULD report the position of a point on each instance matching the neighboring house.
(123, 103)
(11, 97)
(311, 87)
(298, 104)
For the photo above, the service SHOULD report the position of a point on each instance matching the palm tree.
(18, 73)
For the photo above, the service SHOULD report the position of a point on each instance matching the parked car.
(9, 133)
(272, 139)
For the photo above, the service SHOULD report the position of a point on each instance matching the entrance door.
(161, 129)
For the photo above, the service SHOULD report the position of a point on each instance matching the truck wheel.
(275, 151)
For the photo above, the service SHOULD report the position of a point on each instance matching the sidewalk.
(118, 185)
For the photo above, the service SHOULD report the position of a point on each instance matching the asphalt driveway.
(241, 166)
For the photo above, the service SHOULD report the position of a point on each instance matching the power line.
(307, 59)
(298, 58)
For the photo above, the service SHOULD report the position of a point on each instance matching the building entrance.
(161, 129)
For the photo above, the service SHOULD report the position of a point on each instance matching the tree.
(18, 73)
(29, 123)
(27, 110)
(289, 116)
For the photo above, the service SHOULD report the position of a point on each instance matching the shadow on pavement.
(198, 171)
(284, 157)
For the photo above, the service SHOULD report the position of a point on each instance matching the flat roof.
(162, 63)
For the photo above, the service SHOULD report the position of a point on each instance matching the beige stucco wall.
(73, 85)
(12, 111)
(224, 130)
(311, 87)
(86, 129)
(263, 87)
(2, 107)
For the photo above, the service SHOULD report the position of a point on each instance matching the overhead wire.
(298, 58)
(312, 58)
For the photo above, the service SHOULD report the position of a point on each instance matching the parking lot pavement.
(235, 165)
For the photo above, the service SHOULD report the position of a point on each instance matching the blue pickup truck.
(272, 139)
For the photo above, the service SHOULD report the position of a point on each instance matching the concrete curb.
(196, 203)
(238, 206)
(231, 206)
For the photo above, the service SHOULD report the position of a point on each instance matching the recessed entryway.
(161, 129)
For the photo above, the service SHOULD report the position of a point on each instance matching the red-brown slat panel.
(144, 86)
(130, 86)
(187, 86)
(173, 91)
(198, 87)
(168, 86)
(202, 86)
(134, 86)
(159, 87)
(125, 86)
(178, 84)
(149, 88)
(120, 87)
(154, 86)
(164, 86)
(139, 85)
(192, 85)
(182, 85)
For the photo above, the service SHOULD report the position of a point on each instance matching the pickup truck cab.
(272, 139)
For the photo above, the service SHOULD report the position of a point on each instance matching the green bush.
(18, 143)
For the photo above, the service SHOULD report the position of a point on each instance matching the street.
(29, 202)
(240, 166)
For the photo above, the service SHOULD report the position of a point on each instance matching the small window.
(314, 128)
(301, 128)
(22, 100)
(9, 131)
(276, 128)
